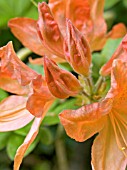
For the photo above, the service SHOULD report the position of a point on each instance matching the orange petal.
(105, 152)
(10, 85)
(61, 83)
(40, 98)
(65, 9)
(36, 104)
(77, 50)
(13, 67)
(117, 31)
(119, 85)
(28, 140)
(84, 122)
(49, 31)
(119, 53)
(25, 29)
(13, 113)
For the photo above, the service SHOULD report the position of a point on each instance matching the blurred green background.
(52, 149)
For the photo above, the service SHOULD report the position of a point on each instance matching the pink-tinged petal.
(25, 29)
(77, 50)
(84, 122)
(49, 31)
(117, 31)
(12, 66)
(61, 83)
(120, 53)
(12, 86)
(13, 113)
(28, 140)
(105, 152)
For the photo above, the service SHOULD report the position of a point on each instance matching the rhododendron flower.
(36, 94)
(19, 79)
(108, 118)
(45, 36)
(87, 16)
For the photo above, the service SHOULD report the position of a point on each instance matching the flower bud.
(77, 50)
(61, 83)
(49, 31)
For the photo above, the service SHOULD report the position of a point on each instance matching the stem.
(34, 3)
(23, 53)
(60, 150)
(90, 83)
(98, 84)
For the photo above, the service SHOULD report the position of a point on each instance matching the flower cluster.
(60, 35)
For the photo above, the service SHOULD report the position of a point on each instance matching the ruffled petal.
(65, 9)
(105, 152)
(13, 67)
(83, 123)
(13, 113)
(12, 86)
(49, 31)
(25, 29)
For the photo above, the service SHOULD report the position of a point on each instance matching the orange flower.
(18, 78)
(109, 118)
(45, 36)
(87, 16)
(42, 36)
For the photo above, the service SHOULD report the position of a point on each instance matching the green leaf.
(111, 3)
(4, 136)
(16, 8)
(37, 68)
(3, 94)
(45, 165)
(65, 66)
(14, 142)
(45, 136)
(110, 48)
(52, 118)
(24, 131)
(99, 59)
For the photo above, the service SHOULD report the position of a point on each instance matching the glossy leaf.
(4, 137)
(110, 4)
(46, 136)
(3, 94)
(14, 142)
(11, 8)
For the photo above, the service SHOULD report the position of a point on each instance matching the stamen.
(116, 134)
